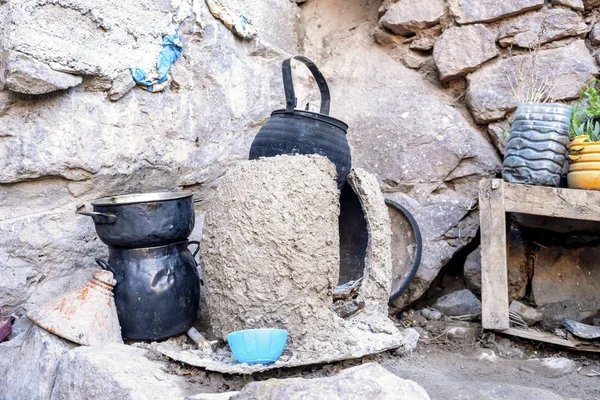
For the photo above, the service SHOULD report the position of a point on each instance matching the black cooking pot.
(292, 131)
(158, 290)
(143, 220)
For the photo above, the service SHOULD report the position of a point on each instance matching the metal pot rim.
(315, 115)
(136, 198)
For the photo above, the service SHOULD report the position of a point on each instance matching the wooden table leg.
(494, 274)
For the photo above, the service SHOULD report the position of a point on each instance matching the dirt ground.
(457, 362)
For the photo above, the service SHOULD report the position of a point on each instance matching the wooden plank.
(494, 279)
(552, 202)
(550, 338)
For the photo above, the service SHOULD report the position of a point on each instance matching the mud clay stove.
(271, 258)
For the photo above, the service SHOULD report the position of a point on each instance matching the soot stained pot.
(158, 290)
(292, 131)
(144, 219)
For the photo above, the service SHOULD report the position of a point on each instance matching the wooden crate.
(496, 198)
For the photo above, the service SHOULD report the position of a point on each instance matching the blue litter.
(170, 53)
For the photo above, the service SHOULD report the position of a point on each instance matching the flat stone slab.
(470, 11)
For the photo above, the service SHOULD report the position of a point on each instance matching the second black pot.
(158, 290)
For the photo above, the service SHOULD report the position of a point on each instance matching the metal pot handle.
(99, 218)
(197, 243)
(106, 266)
(288, 85)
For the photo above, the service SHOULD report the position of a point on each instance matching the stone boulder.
(454, 59)
(29, 363)
(589, 4)
(24, 74)
(499, 133)
(116, 372)
(569, 67)
(367, 381)
(574, 4)
(459, 303)
(470, 11)
(595, 35)
(410, 16)
(537, 28)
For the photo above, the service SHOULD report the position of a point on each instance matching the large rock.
(116, 372)
(24, 74)
(425, 153)
(64, 150)
(589, 4)
(470, 11)
(567, 274)
(595, 35)
(270, 250)
(519, 265)
(29, 362)
(569, 67)
(454, 59)
(409, 16)
(459, 303)
(574, 4)
(537, 28)
(368, 381)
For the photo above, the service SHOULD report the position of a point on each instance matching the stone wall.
(416, 96)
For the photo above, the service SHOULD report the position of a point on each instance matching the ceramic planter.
(584, 164)
(537, 148)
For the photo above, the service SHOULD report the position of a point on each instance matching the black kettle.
(292, 131)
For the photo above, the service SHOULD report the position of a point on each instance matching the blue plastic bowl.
(257, 346)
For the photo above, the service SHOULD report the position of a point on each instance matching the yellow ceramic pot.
(584, 164)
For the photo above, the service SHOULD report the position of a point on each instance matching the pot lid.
(140, 198)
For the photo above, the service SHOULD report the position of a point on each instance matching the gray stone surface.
(270, 251)
(472, 270)
(530, 315)
(69, 148)
(431, 165)
(24, 74)
(569, 66)
(470, 11)
(499, 133)
(409, 16)
(595, 34)
(574, 4)
(455, 59)
(537, 28)
(459, 303)
(122, 84)
(589, 4)
(565, 273)
(370, 381)
(28, 364)
(116, 372)
(551, 367)
(553, 314)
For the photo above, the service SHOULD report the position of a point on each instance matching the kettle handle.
(288, 85)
